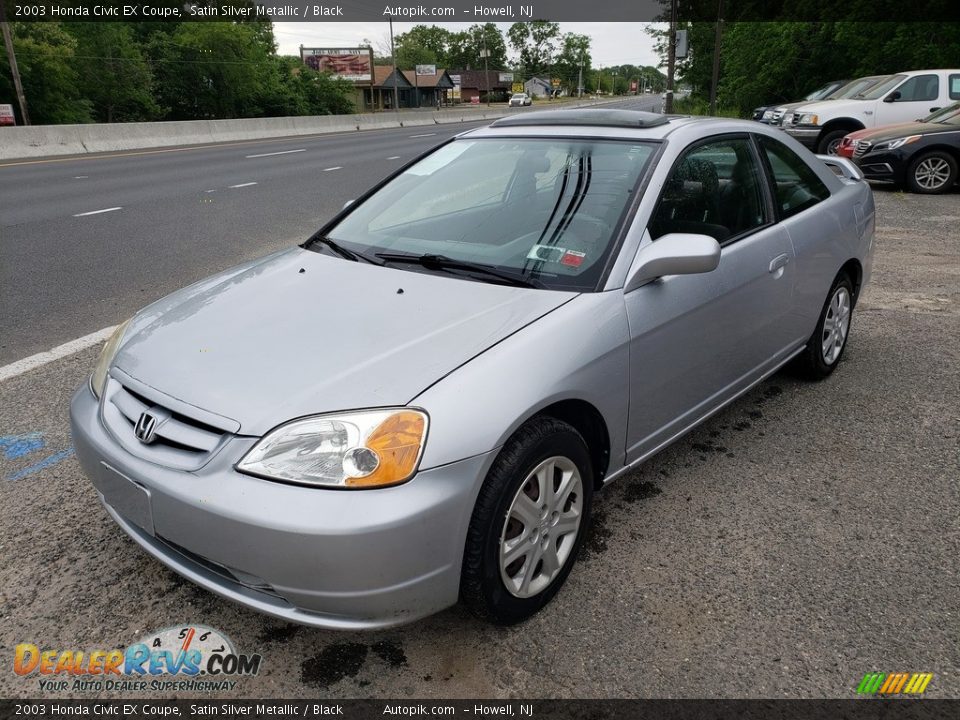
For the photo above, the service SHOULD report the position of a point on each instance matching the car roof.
(612, 123)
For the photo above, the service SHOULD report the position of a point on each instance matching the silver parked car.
(418, 404)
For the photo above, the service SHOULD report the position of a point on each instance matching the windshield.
(820, 92)
(856, 87)
(543, 209)
(949, 115)
(882, 88)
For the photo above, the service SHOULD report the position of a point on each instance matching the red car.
(849, 142)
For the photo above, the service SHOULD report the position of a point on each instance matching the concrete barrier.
(52, 140)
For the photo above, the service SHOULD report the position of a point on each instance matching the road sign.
(6, 115)
(682, 44)
(555, 82)
(517, 87)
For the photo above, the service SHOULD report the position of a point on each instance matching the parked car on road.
(900, 98)
(922, 156)
(849, 143)
(520, 100)
(765, 113)
(774, 116)
(417, 404)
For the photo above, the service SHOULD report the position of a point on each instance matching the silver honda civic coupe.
(417, 404)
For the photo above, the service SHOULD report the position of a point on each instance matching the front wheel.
(830, 143)
(932, 173)
(528, 523)
(829, 340)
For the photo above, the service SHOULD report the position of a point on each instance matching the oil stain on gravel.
(333, 664)
(636, 491)
(279, 633)
(595, 541)
(390, 652)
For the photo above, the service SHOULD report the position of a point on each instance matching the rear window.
(955, 87)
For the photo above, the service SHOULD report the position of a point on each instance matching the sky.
(613, 43)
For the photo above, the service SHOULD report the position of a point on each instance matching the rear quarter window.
(795, 184)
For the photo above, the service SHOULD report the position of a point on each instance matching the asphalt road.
(164, 219)
(804, 536)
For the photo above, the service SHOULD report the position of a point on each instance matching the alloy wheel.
(541, 527)
(836, 325)
(932, 173)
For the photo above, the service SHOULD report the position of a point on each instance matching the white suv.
(900, 98)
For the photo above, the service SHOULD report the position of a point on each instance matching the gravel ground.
(800, 538)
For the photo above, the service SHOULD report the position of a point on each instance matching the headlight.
(767, 114)
(99, 377)
(367, 448)
(808, 119)
(897, 142)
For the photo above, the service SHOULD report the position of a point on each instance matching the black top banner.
(512, 709)
(478, 11)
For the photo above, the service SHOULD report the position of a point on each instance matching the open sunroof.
(586, 117)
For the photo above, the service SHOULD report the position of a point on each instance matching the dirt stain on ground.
(390, 652)
(595, 541)
(333, 664)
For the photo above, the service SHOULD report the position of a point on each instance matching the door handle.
(778, 262)
(934, 109)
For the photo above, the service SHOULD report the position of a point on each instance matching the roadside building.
(430, 90)
(380, 95)
(477, 83)
(537, 87)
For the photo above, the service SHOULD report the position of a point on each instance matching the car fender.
(577, 352)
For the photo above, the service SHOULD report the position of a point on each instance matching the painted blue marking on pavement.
(42, 465)
(15, 446)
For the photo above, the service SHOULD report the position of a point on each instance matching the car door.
(698, 340)
(915, 97)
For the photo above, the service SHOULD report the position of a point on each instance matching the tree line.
(126, 72)
(763, 63)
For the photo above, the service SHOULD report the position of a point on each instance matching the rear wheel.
(826, 345)
(932, 173)
(528, 523)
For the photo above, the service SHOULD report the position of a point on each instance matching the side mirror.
(347, 204)
(892, 97)
(674, 254)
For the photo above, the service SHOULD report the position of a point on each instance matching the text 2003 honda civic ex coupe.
(418, 403)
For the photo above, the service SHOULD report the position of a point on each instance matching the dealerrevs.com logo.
(897, 683)
(180, 658)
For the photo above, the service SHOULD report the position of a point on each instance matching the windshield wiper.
(344, 252)
(442, 262)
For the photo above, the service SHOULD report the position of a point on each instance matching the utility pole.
(12, 60)
(671, 57)
(580, 77)
(599, 75)
(716, 60)
(393, 57)
(486, 64)
(613, 83)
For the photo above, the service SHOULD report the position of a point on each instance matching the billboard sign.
(6, 115)
(506, 77)
(353, 64)
(517, 87)
(426, 70)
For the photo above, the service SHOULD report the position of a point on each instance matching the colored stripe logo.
(894, 683)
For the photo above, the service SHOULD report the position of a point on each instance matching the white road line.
(80, 177)
(424, 135)
(282, 152)
(61, 351)
(337, 167)
(242, 185)
(393, 157)
(97, 212)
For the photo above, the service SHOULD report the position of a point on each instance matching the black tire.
(940, 160)
(811, 363)
(482, 588)
(834, 136)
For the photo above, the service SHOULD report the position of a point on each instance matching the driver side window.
(715, 189)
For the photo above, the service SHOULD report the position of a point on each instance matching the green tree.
(574, 54)
(45, 57)
(113, 73)
(463, 48)
(536, 42)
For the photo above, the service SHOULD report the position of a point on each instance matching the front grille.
(862, 148)
(180, 442)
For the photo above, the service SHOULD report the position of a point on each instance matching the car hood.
(889, 132)
(300, 333)
(834, 107)
(882, 130)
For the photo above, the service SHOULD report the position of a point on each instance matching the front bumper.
(342, 559)
(884, 166)
(807, 136)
